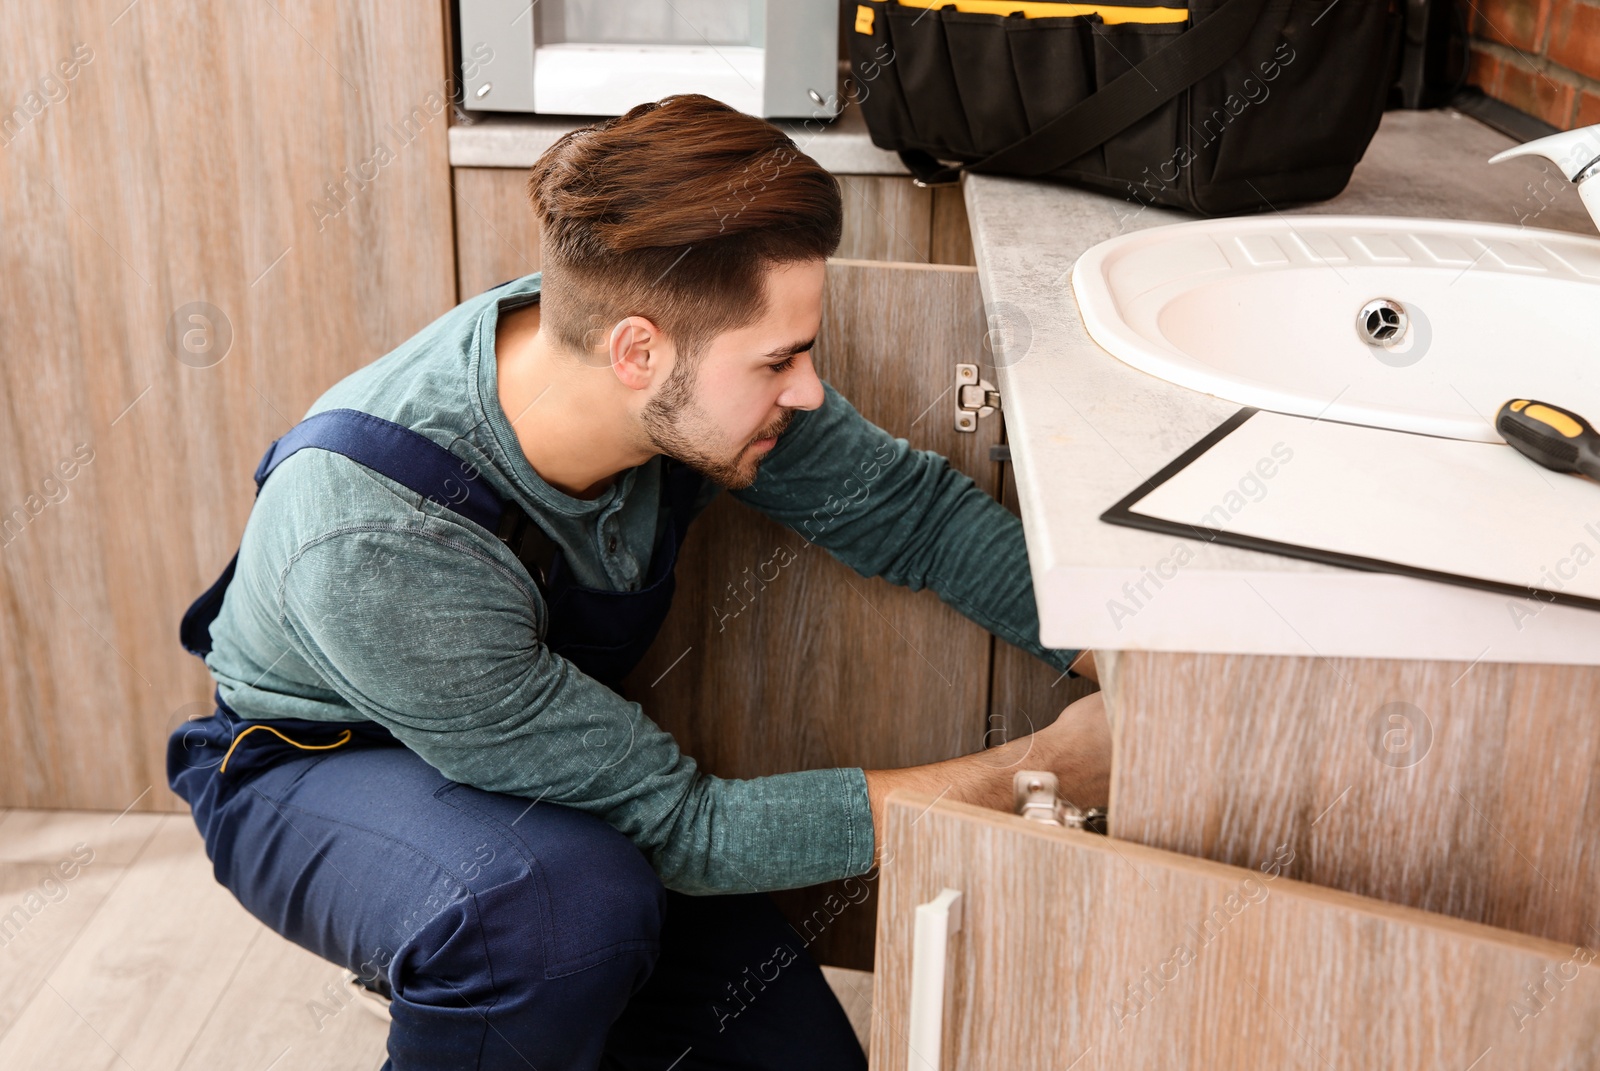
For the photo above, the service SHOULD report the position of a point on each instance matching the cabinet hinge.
(975, 397)
(1034, 794)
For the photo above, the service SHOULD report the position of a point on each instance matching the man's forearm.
(980, 567)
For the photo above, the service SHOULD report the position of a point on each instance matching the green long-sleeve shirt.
(356, 599)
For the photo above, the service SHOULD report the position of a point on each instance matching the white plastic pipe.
(936, 921)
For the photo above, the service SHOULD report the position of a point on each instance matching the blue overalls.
(508, 933)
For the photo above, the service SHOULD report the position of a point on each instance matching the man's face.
(721, 417)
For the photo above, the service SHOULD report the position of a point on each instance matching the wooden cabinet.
(224, 210)
(497, 235)
(1077, 951)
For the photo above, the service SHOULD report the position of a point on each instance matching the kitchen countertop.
(1086, 429)
(842, 145)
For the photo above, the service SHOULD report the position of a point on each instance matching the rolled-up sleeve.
(436, 637)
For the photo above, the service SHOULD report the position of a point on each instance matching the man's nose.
(805, 392)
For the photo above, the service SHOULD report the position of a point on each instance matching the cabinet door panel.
(1086, 952)
(1471, 790)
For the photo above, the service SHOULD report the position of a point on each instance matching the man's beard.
(678, 428)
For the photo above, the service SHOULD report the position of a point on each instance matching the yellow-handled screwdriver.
(1554, 437)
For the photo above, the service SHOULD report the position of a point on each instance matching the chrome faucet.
(1576, 153)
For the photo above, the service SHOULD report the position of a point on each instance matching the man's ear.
(640, 354)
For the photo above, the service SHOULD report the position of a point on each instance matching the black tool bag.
(1241, 106)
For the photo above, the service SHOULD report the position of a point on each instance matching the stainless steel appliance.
(772, 58)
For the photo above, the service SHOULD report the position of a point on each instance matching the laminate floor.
(119, 951)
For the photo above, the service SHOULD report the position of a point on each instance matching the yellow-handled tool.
(1554, 437)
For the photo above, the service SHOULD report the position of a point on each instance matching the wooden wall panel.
(824, 668)
(1078, 951)
(498, 232)
(272, 176)
(1472, 790)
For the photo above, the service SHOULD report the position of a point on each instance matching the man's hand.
(1076, 747)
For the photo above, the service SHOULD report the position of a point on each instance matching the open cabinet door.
(1080, 951)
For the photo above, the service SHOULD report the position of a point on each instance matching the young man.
(419, 767)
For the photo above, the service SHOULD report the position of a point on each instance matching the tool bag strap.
(1132, 95)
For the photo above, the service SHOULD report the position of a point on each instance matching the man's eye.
(783, 365)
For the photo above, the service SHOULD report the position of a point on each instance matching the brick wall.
(1539, 56)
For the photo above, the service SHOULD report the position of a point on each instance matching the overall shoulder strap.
(412, 459)
(405, 456)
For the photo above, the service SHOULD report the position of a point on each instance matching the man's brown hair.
(674, 212)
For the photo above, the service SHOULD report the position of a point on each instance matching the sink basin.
(1419, 325)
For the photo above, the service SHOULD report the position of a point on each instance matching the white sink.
(1263, 311)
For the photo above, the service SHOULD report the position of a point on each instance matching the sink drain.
(1382, 322)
